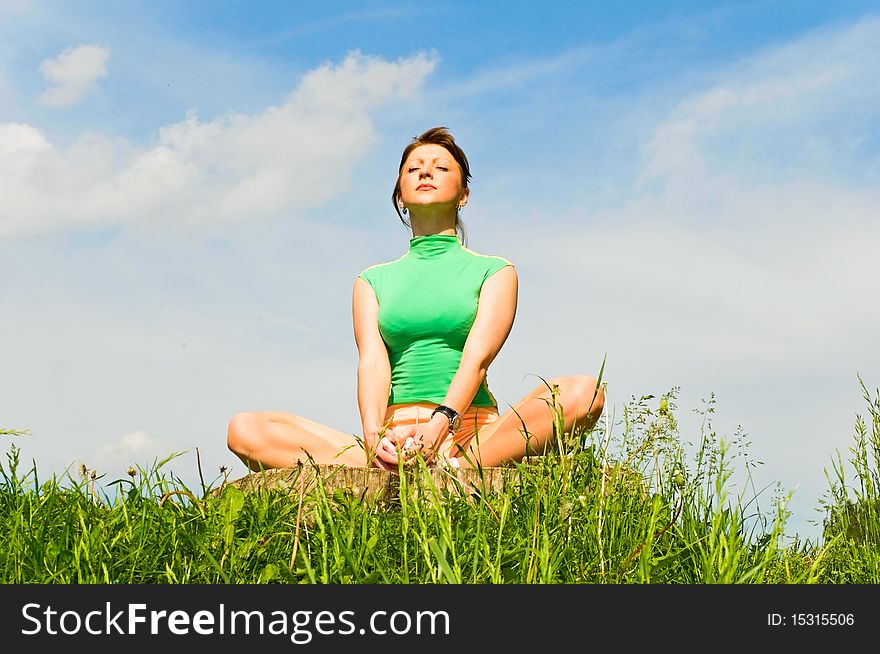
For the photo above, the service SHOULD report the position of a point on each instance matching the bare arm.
(374, 368)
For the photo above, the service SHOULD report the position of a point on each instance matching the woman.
(427, 327)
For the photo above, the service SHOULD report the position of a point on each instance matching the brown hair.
(435, 136)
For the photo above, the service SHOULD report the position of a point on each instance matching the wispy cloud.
(797, 109)
(509, 76)
(361, 16)
(72, 73)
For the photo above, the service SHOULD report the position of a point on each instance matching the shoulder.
(378, 268)
(488, 264)
(490, 259)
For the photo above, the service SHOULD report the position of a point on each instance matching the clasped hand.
(405, 442)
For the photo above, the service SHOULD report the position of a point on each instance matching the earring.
(403, 210)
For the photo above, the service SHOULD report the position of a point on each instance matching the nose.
(424, 173)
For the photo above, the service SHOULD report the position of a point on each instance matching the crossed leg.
(272, 439)
(504, 441)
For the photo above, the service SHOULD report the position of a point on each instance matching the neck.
(423, 227)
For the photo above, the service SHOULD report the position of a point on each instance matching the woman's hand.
(373, 440)
(429, 436)
(394, 444)
(387, 446)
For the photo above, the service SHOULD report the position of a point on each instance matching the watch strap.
(449, 412)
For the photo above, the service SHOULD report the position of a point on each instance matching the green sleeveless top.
(427, 303)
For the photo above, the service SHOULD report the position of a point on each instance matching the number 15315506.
(810, 619)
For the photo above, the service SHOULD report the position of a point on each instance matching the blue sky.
(188, 193)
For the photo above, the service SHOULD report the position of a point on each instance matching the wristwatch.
(452, 414)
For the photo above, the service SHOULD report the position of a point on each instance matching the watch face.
(456, 423)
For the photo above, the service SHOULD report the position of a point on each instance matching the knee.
(589, 397)
(241, 432)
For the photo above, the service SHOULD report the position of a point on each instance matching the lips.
(426, 187)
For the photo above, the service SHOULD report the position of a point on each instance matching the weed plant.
(852, 528)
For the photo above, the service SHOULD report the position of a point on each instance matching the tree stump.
(375, 485)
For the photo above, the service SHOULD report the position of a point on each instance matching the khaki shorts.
(472, 421)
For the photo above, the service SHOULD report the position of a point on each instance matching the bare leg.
(503, 441)
(280, 440)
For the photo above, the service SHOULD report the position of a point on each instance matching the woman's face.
(430, 176)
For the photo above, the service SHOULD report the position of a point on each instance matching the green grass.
(603, 508)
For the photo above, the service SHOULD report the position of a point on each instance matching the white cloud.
(19, 140)
(232, 168)
(72, 73)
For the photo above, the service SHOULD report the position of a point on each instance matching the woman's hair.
(435, 136)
